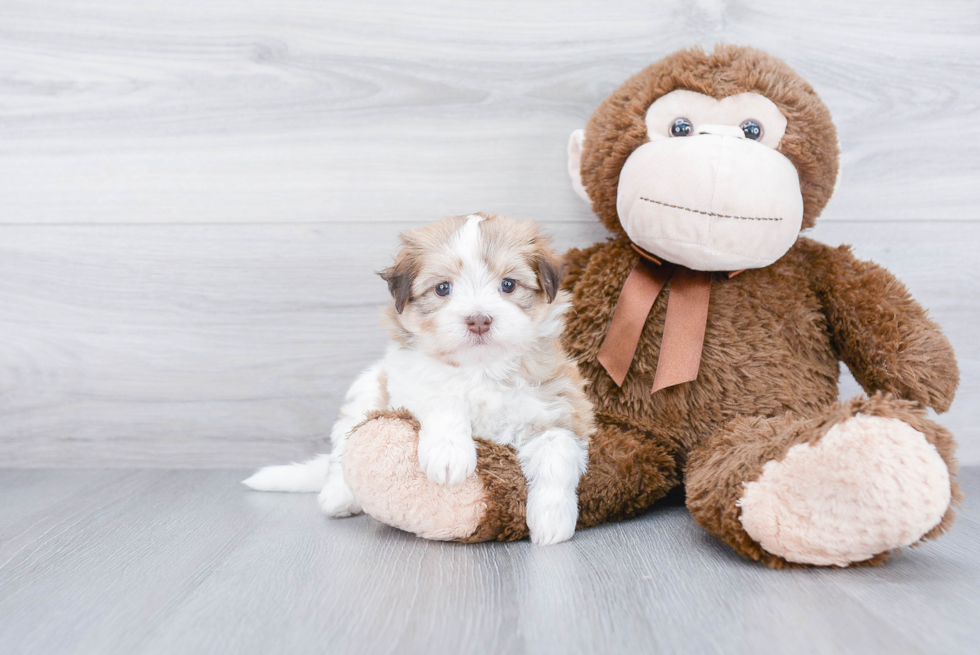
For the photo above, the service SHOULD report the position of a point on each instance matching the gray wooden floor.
(156, 561)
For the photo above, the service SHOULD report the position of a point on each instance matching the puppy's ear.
(549, 269)
(399, 278)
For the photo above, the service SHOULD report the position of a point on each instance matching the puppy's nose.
(478, 323)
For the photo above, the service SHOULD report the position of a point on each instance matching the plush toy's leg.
(381, 465)
(627, 472)
(838, 489)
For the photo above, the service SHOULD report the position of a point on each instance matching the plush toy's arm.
(574, 262)
(879, 331)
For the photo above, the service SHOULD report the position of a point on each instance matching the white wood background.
(194, 195)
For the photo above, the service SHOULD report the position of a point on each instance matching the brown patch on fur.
(506, 488)
(549, 274)
(553, 374)
(418, 246)
(504, 237)
(396, 330)
(399, 279)
(618, 126)
(398, 413)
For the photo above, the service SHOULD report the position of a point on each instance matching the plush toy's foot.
(842, 489)
(381, 465)
(869, 485)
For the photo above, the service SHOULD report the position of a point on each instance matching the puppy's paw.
(551, 517)
(337, 500)
(447, 461)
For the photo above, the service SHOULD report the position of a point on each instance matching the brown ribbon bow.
(684, 326)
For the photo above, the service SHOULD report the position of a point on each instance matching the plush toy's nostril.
(478, 323)
(721, 130)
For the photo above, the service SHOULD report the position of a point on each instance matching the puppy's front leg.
(553, 462)
(447, 453)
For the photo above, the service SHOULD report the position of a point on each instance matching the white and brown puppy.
(475, 318)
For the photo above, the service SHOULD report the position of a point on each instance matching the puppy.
(475, 319)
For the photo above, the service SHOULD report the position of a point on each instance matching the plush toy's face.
(710, 190)
(708, 178)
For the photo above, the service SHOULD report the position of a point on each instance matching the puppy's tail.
(308, 476)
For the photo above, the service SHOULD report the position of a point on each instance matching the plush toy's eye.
(444, 289)
(508, 285)
(752, 130)
(681, 127)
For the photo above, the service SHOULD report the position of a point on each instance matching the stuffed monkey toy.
(711, 334)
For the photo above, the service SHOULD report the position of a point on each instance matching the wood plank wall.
(194, 195)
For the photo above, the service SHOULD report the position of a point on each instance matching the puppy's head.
(470, 289)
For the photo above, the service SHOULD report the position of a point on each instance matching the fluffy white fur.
(459, 384)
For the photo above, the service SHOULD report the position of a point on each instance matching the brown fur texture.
(501, 475)
(774, 338)
(773, 344)
(627, 473)
(883, 349)
(768, 381)
(617, 127)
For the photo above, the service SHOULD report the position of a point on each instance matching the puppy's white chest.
(502, 411)
(487, 408)
(485, 403)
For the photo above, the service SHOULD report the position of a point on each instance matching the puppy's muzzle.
(478, 324)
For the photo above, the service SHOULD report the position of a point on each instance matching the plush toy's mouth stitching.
(698, 211)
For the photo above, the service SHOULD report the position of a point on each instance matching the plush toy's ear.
(549, 273)
(575, 144)
(399, 278)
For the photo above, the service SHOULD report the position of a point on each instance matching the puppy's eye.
(508, 285)
(444, 289)
(681, 127)
(752, 130)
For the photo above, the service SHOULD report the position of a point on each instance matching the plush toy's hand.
(446, 458)
(382, 467)
(884, 336)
